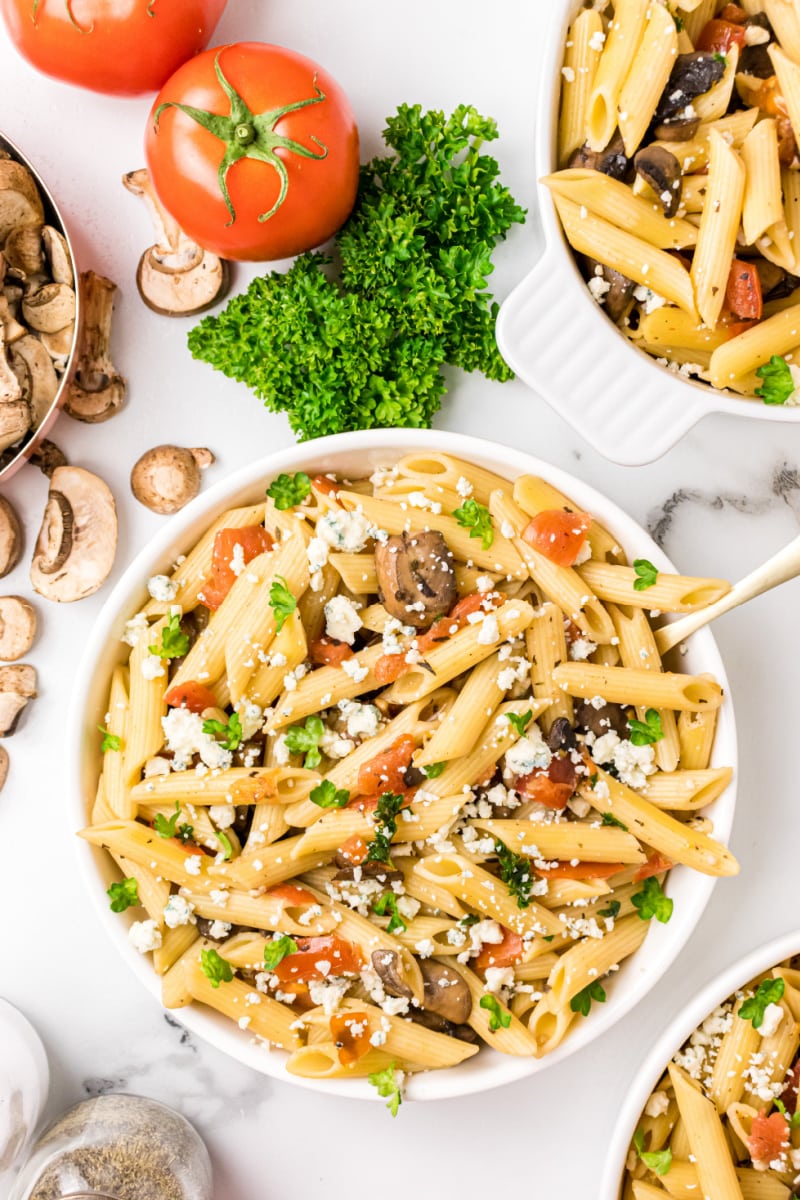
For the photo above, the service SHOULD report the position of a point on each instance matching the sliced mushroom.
(15, 421)
(612, 161)
(386, 964)
(175, 277)
(662, 171)
(617, 299)
(17, 627)
(692, 75)
(561, 735)
(166, 478)
(58, 256)
(12, 331)
(431, 1020)
(77, 542)
(446, 993)
(42, 376)
(681, 129)
(59, 345)
(416, 577)
(23, 250)
(4, 764)
(10, 537)
(20, 202)
(602, 720)
(17, 687)
(50, 308)
(96, 392)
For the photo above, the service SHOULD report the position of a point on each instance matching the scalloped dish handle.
(625, 406)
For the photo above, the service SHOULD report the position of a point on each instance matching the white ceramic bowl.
(671, 1040)
(559, 341)
(358, 454)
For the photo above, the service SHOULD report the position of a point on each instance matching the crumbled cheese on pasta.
(632, 763)
(530, 753)
(581, 648)
(183, 731)
(657, 1105)
(773, 1016)
(334, 745)
(145, 936)
(498, 978)
(178, 911)
(489, 632)
(353, 668)
(219, 929)
(347, 531)
(420, 500)
(464, 487)
(328, 993)
(152, 667)
(162, 588)
(134, 629)
(223, 815)
(342, 621)
(361, 720)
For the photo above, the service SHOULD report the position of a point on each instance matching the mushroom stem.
(97, 391)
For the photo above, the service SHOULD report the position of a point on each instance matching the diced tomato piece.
(192, 695)
(503, 954)
(354, 850)
(291, 893)
(343, 958)
(386, 771)
(557, 534)
(552, 787)
(769, 1137)
(458, 618)
(717, 36)
(734, 13)
(581, 870)
(734, 328)
(390, 667)
(328, 487)
(350, 1033)
(656, 864)
(743, 291)
(253, 539)
(325, 652)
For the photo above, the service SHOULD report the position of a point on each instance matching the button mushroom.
(387, 966)
(77, 542)
(17, 687)
(23, 250)
(20, 202)
(97, 391)
(446, 993)
(10, 537)
(17, 627)
(166, 478)
(175, 277)
(692, 75)
(49, 308)
(662, 171)
(416, 577)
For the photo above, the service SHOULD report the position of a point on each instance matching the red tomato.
(769, 1137)
(355, 849)
(254, 190)
(734, 328)
(552, 787)
(743, 292)
(350, 1033)
(253, 539)
(656, 865)
(119, 46)
(192, 695)
(557, 534)
(291, 893)
(503, 954)
(386, 771)
(344, 959)
(581, 870)
(327, 653)
(718, 36)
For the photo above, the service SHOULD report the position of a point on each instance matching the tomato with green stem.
(253, 149)
(122, 47)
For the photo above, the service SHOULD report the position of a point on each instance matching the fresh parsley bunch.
(365, 347)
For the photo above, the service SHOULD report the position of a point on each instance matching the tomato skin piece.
(502, 954)
(291, 893)
(390, 667)
(733, 13)
(344, 958)
(552, 787)
(769, 1137)
(112, 46)
(325, 652)
(254, 540)
(557, 534)
(717, 36)
(355, 848)
(743, 291)
(581, 870)
(184, 158)
(386, 771)
(192, 695)
(350, 1046)
(656, 864)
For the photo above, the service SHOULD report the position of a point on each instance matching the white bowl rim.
(378, 446)
(589, 340)
(715, 992)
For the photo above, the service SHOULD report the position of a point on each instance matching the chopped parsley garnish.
(174, 642)
(433, 770)
(289, 490)
(388, 1084)
(611, 910)
(609, 819)
(498, 1018)
(169, 828)
(110, 740)
(277, 950)
(477, 519)
(216, 969)
(791, 1119)
(778, 383)
(648, 731)
(281, 601)
(769, 991)
(389, 805)
(327, 795)
(305, 739)
(646, 574)
(228, 732)
(123, 895)
(582, 1002)
(659, 1161)
(515, 872)
(720, 58)
(388, 903)
(651, 902)
(520, 721)
(225, 842)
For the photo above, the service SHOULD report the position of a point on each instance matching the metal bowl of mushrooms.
(39, 308)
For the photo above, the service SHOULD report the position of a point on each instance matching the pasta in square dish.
(678, 183)
(394, 771)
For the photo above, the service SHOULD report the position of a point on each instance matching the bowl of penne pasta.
(713, 1110)
(669, 286)
(379, 776)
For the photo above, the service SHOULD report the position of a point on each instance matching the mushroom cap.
(20, 202)
(173, 292)
(167, 477)
(23, 249)
(58, 256)
(50, 308)
(77, 542)
(17, 687)
(17, 627)
(416, 577)
(10, 537)
(446, 993)
(662, 171)
(41, 375)
(388, 968)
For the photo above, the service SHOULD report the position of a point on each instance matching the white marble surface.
(727, 497)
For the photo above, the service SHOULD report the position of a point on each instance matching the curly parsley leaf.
(123, 895)
(659, 1161)
(228, 733)
(477, 519)
(520, 721)
(167, 827)
(648, 731)
(609, 819)
(388, 903)
(791, 1119)
(769, 991)
(216, 969)
(388, 1084)
(389, 805)
(498, 1018)
(287, 491)
(582, 1001)
(281, 601)
(611, 910)
(277, 950)
(327, 795)
(778, 383)
(174, 642)
(305, 739)
(651, 902)
(433, 770)
(646, 574)
(110, 740)
(515, 872)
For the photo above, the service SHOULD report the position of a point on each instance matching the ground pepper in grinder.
(117, 1148)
